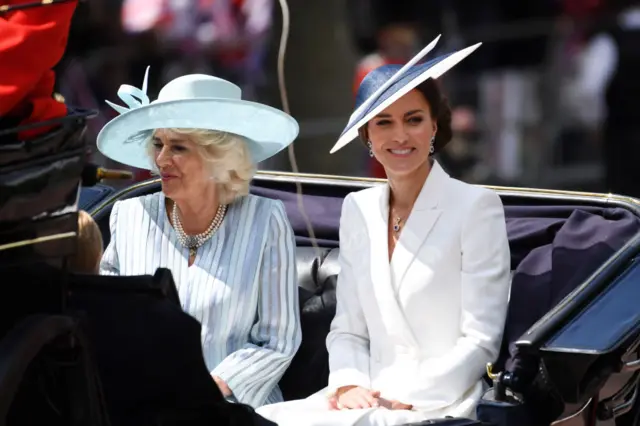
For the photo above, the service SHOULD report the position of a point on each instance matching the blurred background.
(548, 101)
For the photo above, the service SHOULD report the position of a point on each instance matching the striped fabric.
(242, 286)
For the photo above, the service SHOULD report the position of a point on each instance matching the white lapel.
(376, 213)
(421, 220)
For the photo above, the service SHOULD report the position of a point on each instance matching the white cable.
(285, 106)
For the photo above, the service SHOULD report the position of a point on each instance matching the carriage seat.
(317, 277)
(571, 240)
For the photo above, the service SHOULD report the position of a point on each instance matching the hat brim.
(267, 130)
(438, 69)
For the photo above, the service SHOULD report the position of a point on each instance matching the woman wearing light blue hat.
(232, 254)
(424, 282)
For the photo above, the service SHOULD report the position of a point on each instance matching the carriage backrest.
(554, 246)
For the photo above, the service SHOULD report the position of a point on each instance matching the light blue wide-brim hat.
(194, 101)
(388, 83)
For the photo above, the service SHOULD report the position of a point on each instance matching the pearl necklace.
(192, 242)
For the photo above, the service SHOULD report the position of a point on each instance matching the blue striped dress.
(242, 286)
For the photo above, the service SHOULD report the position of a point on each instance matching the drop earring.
(432, 147)
(370, 150)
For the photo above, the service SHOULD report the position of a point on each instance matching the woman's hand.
(354, 397)
(224, 388)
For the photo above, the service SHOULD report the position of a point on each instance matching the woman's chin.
(170, 187)
(401, 167)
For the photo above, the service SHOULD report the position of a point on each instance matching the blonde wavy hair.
(231, 165)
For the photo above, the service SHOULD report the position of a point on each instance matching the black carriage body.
(575, 359)
(39, 185)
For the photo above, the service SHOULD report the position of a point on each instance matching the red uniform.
(32, 42)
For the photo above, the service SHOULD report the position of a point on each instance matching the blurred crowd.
(553, 86)
(113, 41)
(547, 103)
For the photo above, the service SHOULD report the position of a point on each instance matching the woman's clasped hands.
(357, 397)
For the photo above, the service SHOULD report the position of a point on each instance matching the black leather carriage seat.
(530, 228)
(317, 277)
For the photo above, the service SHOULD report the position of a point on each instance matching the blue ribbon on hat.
(132, 96)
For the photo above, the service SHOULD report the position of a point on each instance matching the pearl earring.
(370, 149)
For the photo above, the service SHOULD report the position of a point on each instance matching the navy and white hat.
(386, 84)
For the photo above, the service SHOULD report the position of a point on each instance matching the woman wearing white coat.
(423, 289)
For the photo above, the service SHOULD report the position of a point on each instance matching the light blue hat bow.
(132, 96)
(194, 101)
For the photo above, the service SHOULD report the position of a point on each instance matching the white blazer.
(422, 327)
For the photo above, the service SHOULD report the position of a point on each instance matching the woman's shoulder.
(141, 200)
(462, 194)
(363, 197)
(148, 204)
(257, 208)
